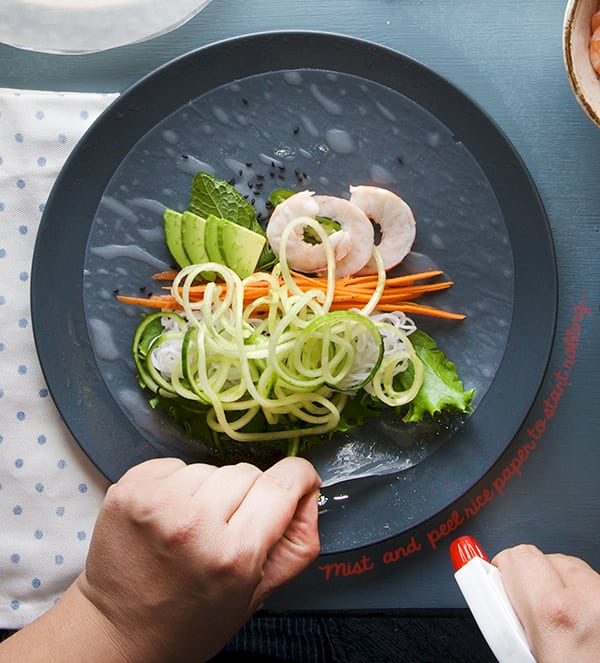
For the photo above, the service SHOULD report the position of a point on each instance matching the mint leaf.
(212, 196)
(442, 389)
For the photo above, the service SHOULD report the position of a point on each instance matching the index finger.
(153, 469)
(271, 502)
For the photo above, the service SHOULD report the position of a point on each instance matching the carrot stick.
(169, 275)
(165, 302)
(348, 288)
(410, 307)
(349, 292)
(371, 278)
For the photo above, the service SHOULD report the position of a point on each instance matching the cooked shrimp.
(596, 20)
(394, 218)
(352, 245)
(595, 47)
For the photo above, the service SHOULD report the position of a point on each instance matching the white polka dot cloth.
(49, 492)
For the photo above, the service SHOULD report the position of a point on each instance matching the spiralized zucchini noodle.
(286, 356)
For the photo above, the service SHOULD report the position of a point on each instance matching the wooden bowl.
(582, 77)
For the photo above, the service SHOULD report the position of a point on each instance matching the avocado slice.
(172, 222)
(192, 236)
(193, 230)
(211, 239)
(240, 247)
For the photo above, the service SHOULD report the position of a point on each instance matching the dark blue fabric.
(381, 639)
(377, 639)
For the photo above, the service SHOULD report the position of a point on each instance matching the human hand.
(182, 555)
(557, 599)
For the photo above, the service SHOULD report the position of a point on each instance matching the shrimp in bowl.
(594, 45)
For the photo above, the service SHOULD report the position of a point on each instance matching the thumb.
(297, 548)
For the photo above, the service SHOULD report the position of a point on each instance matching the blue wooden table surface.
(507, 56)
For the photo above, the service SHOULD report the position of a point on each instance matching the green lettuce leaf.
(442, 389)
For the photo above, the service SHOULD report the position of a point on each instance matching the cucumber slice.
(147, 333)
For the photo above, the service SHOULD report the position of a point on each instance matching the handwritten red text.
(434, 536)
(478, 502)
(335, 569)
(398, 553)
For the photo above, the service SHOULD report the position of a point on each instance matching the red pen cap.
(463, 550)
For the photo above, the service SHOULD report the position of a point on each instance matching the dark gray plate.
(330, 111)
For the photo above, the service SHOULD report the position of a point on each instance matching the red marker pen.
(481, 584)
